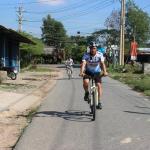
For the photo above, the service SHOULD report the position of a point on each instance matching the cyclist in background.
(92, 65)
(69, 64)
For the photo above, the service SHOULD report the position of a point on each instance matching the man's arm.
(82, 68)
(102, 64)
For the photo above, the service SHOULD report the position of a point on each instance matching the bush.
(147, 92)
(142, 85)
(139, 82)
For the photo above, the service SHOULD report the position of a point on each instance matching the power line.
(106, 3)
(25, 3)
(94, 6)
(87, 11)
(65, 9)
(146, 6)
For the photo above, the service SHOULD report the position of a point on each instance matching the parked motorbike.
(12, 73)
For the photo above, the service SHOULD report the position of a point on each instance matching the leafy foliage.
(53, 32)
(75, 47)
(137, 81)
(113, 21)
(109, 36)
(137, 23)
(35, 49)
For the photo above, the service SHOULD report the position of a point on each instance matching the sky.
(85, 16)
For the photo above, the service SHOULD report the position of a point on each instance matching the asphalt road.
(63, 121)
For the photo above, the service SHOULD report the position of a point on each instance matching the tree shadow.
(61, 66)
(73, 78)
(142, 107)
(70, 115)
(64, 66)
(135, 112)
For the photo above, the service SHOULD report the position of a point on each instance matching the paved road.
(123, 124)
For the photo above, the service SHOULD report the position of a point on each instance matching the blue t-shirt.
(93, 62)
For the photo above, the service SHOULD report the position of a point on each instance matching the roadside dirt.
(13, 121)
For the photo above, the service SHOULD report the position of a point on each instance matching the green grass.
(134, 79)
(10, 86)
(39, 69)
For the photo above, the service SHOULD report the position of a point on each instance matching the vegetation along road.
(63, 121)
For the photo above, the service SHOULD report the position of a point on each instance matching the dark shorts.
(96, 76)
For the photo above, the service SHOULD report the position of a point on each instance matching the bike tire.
(69, 74)
(13, 75)
(96, 96)
(93, 107)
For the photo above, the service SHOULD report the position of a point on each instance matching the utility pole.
(122, 29)
(20, 17)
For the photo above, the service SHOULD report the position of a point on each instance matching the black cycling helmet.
(92, 44)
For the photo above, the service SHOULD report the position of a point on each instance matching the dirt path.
(33, 87)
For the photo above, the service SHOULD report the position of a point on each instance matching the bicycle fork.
(94, 91)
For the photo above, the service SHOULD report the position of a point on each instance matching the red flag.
(133, 50)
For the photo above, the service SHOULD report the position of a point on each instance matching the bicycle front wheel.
(93, 106)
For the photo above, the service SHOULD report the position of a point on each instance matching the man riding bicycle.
(93, 65)
(69, 64)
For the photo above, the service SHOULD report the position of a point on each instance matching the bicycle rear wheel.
(69, 73)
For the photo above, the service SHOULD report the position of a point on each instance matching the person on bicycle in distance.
(69, 64)
(92, 65)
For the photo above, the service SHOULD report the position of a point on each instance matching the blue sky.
(85, 16)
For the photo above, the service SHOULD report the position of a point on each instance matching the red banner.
(133, 50)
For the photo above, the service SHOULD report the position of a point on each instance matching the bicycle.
(69, 71)
(93, 95)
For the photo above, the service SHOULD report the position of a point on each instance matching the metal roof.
(144, 50)
(49, 49)
(15, 35)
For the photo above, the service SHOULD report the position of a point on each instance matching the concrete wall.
(146, 68)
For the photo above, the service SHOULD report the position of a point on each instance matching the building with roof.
(9, 48)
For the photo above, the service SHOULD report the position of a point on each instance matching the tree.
(107, 37)
(35, 49)
(75, 47)
(113, 21)
(27, 51)
(137, 23)
(53, 32)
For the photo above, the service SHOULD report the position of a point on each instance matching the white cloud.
(52, 2)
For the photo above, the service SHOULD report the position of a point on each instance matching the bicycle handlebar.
(100, 75)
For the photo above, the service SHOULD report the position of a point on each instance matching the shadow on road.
(64, 66)
(75, 78)
(135, 112)
(142, 107)
(71, 115)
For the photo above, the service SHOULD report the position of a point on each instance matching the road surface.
(63, 121)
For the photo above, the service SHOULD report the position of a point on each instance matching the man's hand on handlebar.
(82, 74)
(105, 74)
(102, 74)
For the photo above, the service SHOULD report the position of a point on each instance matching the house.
(52, 55)
(144, 57)
(9, 48)
(144, 54)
